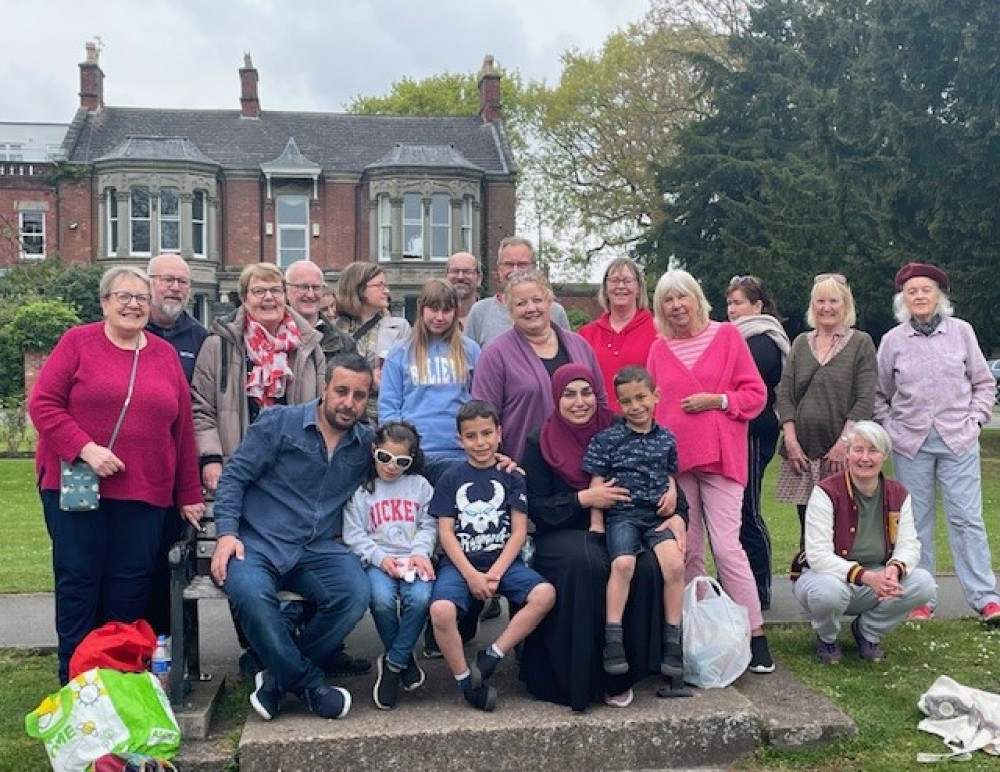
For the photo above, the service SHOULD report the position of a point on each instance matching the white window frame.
(111, 208)
(286, 229)
(198, 224)
(465, 235)
(133, 220)
(383, 213)
(164, 219)
(11, 152)
(36, 235)
(411, 223)
(439, 228)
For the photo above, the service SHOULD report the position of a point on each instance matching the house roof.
(337, 142)
(156, 149)
(424, 156)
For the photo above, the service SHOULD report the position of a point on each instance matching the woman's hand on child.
(604, 495)
(678, 528)
(507, 464)
(667, 504)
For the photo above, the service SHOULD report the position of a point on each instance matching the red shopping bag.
(126, 647)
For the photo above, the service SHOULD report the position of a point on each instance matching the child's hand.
(668, 502)
(424, 567)
(390, 566)
(479, 586)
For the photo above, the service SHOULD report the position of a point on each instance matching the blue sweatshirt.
(430, 405)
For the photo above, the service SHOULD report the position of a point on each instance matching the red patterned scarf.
(268, 354)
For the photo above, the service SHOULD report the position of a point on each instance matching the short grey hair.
(114, 274)
(527, 277)
(678, 280)
(902, 313)
(511, 241)
(872, 433)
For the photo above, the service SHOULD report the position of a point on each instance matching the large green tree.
(846, 135)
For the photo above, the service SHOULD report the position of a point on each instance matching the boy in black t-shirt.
(482, 526)
(641, 456)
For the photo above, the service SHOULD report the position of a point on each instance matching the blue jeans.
(335, 584)
(399, 626)
(961, 489)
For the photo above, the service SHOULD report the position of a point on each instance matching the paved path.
(27, 621)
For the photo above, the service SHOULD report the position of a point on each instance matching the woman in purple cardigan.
(515, 369)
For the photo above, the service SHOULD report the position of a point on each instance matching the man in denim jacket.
(279, 514)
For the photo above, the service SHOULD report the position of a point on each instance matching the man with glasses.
(170, 281)
(304, 285)
(489, 317)
(170, 288)
(464, 275)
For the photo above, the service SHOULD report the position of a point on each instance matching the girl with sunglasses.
(387, 526)
(428, 377)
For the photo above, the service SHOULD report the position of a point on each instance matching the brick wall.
(241, 224)
(24, 182)
(341, 238)
(499, 210)
(78, 224)
(579, 296)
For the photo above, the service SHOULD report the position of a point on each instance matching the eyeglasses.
(166, 279)
(523, 265)
(463, 271)
(837, 277)
(127, 297)
(385, 457)
(307, 287)
(377, 284)
(624, 281)
(259, 292)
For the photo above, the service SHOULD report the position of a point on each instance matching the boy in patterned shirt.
(642, 457)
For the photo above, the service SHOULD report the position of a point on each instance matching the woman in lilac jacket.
(514, 372)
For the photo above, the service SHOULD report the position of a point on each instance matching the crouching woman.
(861, 551)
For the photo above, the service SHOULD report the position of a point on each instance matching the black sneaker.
(615, 662)
(483, 698)
(343, 665)
(412, 676)
(266, 696)
(431, 650)
(487, 664)
(328, 701)
(249, 665)
(672, 663)
(760, 655)
(491, 610)
(386, 689)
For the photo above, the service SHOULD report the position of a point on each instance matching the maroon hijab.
(563, 444)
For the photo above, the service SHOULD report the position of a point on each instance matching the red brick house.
(225, 188)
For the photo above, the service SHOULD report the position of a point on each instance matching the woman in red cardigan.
(709, 390)
(102, 560)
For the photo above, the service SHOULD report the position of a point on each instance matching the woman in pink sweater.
(709, 390)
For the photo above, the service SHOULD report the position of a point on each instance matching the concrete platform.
(433, 728)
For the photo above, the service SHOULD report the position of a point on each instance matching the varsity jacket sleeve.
(819, 540)
(907, 550)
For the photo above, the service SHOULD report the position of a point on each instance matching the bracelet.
(724, 402)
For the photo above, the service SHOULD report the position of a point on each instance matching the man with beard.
(464, 275)
(274, 533)
(170, 285)
(170, 279)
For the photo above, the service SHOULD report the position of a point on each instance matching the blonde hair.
(262, 271)
(828, 286)
(437, 294)
(683, 283)
(526, 277)
(642, 298)
(351, 287)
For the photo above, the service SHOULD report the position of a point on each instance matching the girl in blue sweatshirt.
(428, 377)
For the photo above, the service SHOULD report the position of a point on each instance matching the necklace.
(831, 349)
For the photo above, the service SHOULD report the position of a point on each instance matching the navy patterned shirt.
(643, 463)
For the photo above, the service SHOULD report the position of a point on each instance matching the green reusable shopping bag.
(103, 711)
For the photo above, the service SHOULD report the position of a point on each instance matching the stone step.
(433, 728)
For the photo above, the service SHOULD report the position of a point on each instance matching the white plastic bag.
(716, 635)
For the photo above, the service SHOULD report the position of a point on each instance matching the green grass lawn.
(25, 550)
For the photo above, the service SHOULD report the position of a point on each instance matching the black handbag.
(79, 485)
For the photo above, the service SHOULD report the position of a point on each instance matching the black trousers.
(754, 536)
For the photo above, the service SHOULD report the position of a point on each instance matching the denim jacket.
(281, 494)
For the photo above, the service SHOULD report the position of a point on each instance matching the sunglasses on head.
(739, 281)
(837, 277)
(385, 457)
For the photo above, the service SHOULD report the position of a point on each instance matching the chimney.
(249, 101)
(489, 91)
(91, 81)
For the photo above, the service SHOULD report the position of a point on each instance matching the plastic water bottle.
(161, 661)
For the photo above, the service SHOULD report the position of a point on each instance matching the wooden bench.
(191, 581)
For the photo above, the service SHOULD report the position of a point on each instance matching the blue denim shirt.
(281, 494)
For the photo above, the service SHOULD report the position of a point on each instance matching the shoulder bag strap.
(128, 396)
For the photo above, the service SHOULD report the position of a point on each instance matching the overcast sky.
(312, 55)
